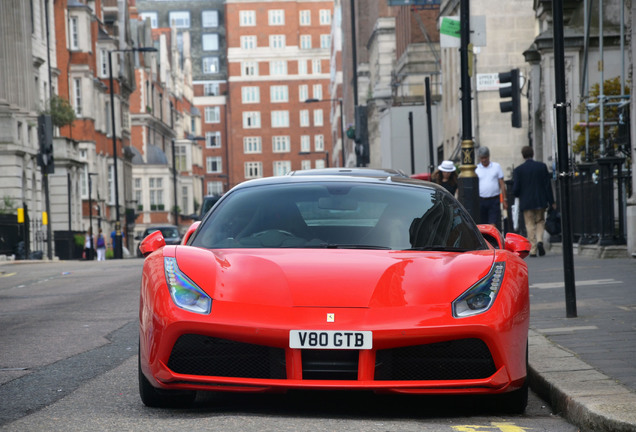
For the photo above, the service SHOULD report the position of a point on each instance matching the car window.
(170, 233)
(339, 214)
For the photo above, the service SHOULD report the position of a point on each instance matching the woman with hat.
(446, 176)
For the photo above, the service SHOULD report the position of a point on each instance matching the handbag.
(553, 222)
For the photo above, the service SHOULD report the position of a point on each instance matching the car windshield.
(339, 215)
(169, 233)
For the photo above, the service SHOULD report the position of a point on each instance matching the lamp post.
(90, 215)
(118, 246)
(342, 135)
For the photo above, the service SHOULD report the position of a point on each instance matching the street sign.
(449, 31)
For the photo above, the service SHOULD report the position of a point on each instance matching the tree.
(61, 111)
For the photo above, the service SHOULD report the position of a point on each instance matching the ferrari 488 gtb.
(335, 282)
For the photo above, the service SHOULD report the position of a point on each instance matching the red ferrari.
(335, 282)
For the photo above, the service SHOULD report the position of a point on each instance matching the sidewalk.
(585, 366)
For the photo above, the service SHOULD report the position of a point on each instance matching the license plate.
(330, 339)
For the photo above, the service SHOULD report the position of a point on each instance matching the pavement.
(585, 366)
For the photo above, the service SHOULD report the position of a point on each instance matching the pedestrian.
(491, 188)
(446, 176)
(531, 184)
(88, 246)
(101, 247)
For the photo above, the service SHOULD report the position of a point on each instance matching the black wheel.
(515, 402)
(157, 398)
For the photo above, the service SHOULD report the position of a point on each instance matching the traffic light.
(45, 139)
(512, 91)
(362, 136)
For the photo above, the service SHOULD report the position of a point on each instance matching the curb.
(584, 396)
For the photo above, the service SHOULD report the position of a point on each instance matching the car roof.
(364, 172)
(156, 227)
(356, 175)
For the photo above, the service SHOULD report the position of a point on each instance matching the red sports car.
(335, 282)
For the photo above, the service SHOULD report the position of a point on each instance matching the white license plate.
(330, 339)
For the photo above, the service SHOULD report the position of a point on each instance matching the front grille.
(453, 360)
(203, 355)
(330, 364)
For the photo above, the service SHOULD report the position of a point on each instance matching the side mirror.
(151, 243)
(518, 245)
(190, 231)
(492, 235)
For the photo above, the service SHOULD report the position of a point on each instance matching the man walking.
(491, 186)
(531, 184)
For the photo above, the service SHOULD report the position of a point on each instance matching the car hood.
(333, 278)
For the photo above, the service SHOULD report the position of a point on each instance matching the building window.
(276, 17)
(152, 16)
(213, 164)
(210, 18)
(305, 143)
(280, 119)
(252, 145)
(213, 114)
(210, 89)
(137, 191)
(325, 17)
(319, 143)
(325, 41)
(304, 118)
(249, 68)
(305, 17)
(305, 164)
(247, 18)
(215, 188)
(74, 32)
(303, 92)
(103, 63)
(180, 19)
(278, 67)
(155, 189)
(281, 168)
(248, 42)
(250, 94)
(318, 120)
(213, 139)
(302, 67)
(251, 119)
(181, 158)
(77, 96)
(210, 42)
(280, 144)
(279, 93)
(184, 199)
(320, 164)
(305, 41)
(317, 90)
(210, 64)
(316, 66)
(277, 41)
(253, 170)
(108, 119)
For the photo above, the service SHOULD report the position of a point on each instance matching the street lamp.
(341, 122)
(118, 246)
(90, 215)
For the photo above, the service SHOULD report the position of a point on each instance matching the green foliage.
(61, 111)
(611, 87)
(79, 240)
(7, 205)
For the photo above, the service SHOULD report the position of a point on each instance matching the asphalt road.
(68, 362)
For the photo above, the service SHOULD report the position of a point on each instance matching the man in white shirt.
(491, 187)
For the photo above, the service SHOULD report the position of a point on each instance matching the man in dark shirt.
(531, 184)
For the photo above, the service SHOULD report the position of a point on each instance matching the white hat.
(447, 166)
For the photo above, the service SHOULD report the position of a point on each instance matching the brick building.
(278, 59)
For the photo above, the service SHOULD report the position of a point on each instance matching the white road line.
(566, 329)
(592, 282)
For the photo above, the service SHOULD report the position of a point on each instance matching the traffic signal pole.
(468, 180)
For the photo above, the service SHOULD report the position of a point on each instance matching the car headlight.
(185, 293)
(482, 295)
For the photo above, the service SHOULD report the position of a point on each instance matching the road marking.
(591, 282)
(566, 329)
(494, 426)
(3, 274)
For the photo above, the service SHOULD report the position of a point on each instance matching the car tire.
(515, 402)
(157, 398)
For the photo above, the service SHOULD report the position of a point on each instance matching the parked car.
(170, 233)
(207, 204)
(335, 282)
